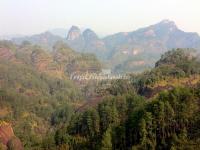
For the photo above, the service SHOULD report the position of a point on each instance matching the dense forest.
(127, 119)
(156, 109)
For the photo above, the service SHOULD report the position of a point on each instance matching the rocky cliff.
(8, 138)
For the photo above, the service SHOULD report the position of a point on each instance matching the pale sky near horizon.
(103, 16)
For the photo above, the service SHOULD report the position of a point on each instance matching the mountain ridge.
(135, 49)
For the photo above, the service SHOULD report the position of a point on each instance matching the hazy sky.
(103, 16)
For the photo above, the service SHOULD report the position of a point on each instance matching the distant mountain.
(125, 51)
(163, 35)
(59, 32)
(87, 42)
(144, 46)
(133, 51)
(11, 36)
(62, 32)
(46, 40)
(75, 39)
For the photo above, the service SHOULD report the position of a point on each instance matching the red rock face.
(6, 132)
(6, 54)
(8, 138)
(74, 33)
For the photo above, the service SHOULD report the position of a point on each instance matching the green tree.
(106, 143)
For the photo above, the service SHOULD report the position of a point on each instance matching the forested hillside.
(35, 85)
(129, 118)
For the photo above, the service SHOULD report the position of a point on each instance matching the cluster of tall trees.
(170, 121)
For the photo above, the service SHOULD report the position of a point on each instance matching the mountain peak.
(74, 28)
(164, 27)
(88, 31)
(74, 33)
(167, 23)
(88, 34)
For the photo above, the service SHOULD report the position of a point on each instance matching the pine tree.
(106, 143)
(143, 133)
